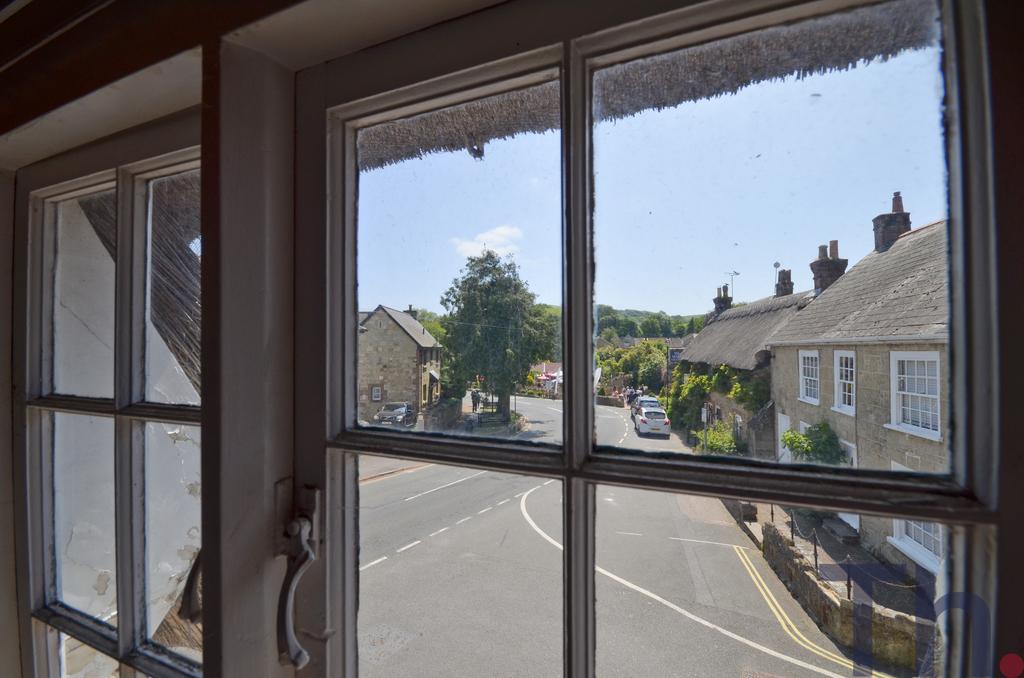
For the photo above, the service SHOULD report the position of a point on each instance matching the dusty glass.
(83, 295)
(78, 660)
(450, 558)
(83, 514)
(173, 310)
(173, 496)
(459, 270)
(771, 239)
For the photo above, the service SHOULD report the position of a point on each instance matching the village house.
(399, 361)
(868, 356)
(738, 338)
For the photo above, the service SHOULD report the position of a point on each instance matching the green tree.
(432, 323)
(493, 327)
(691, 326)
(628, 328)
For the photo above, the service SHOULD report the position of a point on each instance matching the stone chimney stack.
(411, 311)
(723, 302)
(890, 226)
(784, 285)
(828, 267)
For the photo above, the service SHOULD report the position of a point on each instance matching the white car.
(652, 420)
(642, 402)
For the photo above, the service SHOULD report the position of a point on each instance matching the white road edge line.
(454, 482)
(714, 543)
(459, 522)
(434, 534)
(630, 534)
(503, 501)
(672, 606)
(409, 546)
(369, 565)
(484, 510)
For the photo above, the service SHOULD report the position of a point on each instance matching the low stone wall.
(610, 401)
(894, 635)
(443, 416)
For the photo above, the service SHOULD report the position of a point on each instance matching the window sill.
(919, 554)
(918, 432)
(847, 411)
(809, 401)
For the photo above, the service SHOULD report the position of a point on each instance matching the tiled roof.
(412, 327)
(899, 294)
(738, 335)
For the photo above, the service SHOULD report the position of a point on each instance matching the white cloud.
(500, 240)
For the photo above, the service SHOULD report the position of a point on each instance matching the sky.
(682, 196)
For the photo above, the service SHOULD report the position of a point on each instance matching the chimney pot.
(722, 300)
(828, 267)
(890, 226)
(411, 311)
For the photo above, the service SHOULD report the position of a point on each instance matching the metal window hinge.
(298, 543)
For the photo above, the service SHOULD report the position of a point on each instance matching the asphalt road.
(613, 427)
(461, 575)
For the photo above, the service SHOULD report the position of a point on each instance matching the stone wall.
(388, 358)
(894, 636)
(865, 433)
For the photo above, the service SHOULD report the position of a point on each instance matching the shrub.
(818, 444)
(685, 398)
(720, 440)
(721, 380)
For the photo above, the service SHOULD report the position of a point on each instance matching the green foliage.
(493, 327)
(752, 390)
(818, 444)
(432, 323)
(633, 323)
(686, 396)
(720, 439)
(721, 379)
(642, 364)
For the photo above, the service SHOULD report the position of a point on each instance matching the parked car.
(394, 414)
(652, 420)
(641, 402)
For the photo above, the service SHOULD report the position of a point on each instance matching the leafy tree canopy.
(493, 327)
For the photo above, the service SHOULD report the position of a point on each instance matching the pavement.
(461, 575)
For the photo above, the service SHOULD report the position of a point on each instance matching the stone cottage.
(737, 337)
(869, 356)
(399, 361)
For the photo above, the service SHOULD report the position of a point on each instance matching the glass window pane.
(83, 497)
(449, 559)
(692, 585)
(459, 274)
(767, 194)
(79, 660)
(173, 312)
(83, 295)
(173, 532)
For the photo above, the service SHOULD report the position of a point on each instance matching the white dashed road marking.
(454, 482)
(484, 510)
(369, 565)
(630, 534)
(503, 501)
(434, 534)
(548, 482)
(408, 546)
(464, 520)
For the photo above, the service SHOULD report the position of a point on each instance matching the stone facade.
(393, 362)
(867, 431)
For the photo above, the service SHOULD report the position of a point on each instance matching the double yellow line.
(787, 624)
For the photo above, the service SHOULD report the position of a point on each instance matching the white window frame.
(896, 422)
(910, 547)
(804, 397)
(376, 393)
(837, 391)
(136, 157)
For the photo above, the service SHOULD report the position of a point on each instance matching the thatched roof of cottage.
(739, 337)
(175, 309)
(833, 43)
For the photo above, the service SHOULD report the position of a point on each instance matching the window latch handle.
(299, 549)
